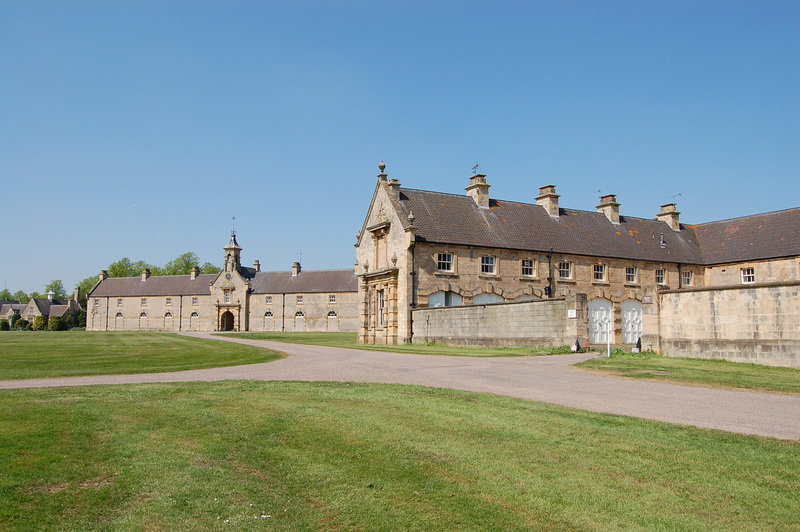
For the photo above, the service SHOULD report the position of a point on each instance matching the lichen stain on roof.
(732, 229)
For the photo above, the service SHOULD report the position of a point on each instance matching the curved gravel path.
(550, 379)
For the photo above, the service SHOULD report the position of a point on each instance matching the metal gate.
(631, 321)
(600, 315)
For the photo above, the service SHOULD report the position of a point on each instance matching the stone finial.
(411, 217)
(382, 176)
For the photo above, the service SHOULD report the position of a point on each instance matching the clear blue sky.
(140, 128)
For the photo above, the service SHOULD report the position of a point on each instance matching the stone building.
(50, 306)
(419, 249)
(238, 298)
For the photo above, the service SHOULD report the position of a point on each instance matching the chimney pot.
(193, 273)
(548, 199)
(295, 269)
(257, 265)
(145, 274)
(103, 275)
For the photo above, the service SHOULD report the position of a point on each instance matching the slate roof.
(312, 281)
(54, 307)
(155, 285)
(309, 282)
(457, 219)
(761, 236)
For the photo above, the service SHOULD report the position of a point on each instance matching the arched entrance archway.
(226, 321)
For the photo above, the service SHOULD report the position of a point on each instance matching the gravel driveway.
(550, 379)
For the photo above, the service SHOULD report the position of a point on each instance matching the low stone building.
(50, 306)
(238, 298)
(421, 250)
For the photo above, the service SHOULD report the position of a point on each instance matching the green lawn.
(699, 371)
(29, 355)
(338, 456)
(350, 341)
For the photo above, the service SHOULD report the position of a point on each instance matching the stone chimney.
(609, 207)
(394, 188)
(295, 269)
(145, 274)
(669, 214)
(548, 199)
(193, 273)
(103, 275)
(257, 265)
(478, 190)
(76, 294)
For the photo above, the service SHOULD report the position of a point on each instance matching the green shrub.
(21, 324)
(82, 319)
(14, 319)
(4, 325)
(55, 323)
(39, 323)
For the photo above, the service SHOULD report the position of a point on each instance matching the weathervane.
(675, 196)
(233, 227)
(475, 169)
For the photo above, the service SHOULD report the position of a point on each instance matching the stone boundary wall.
(757, 323)
(544, 323)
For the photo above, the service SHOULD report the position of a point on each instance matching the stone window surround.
(299, 299)
(661, 276)
(686, 278)
(144, 301)
(631, 275)
(748, 275)
(195, 301)
(268, 300)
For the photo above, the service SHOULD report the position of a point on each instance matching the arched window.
(168, 315)
(299, 314)
(332, 314)
(194, 315)
(119, 315)
(268, 314)
(143, 315)
(487, 297)
(444, 299)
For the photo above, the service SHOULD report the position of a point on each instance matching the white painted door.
(600, 315)
(631, 321)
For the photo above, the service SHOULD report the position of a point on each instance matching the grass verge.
(339, 456)
(350, 341)
(699, 371)
(31, 355)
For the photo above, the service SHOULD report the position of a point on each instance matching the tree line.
(124, 267)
